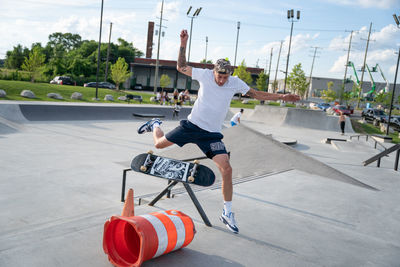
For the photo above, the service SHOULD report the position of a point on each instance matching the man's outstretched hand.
(290, 98)
(184, 36)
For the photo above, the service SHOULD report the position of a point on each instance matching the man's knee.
(223, 163)
(162, 143)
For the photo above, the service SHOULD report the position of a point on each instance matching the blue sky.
(324, 24)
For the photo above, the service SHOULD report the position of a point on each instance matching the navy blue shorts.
(209, 142)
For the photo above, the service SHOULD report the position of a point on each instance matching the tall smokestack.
(150, 32)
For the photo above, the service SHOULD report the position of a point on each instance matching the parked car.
(375, 115)
(63, 80)
(101, 85)
(340, 108)
(107, 85)
(323, 106)
(395, 123)
(138, 86)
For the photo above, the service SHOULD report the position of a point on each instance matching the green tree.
(127, 50)
(328, 95)
(164, 81)
(119, 72)
(15, 58)
(262, 81)
(57, 64)
(34, 63)
(297, 81)
(67, 41)
(383, 98)
(346, 96)
(209, 61)
(243, 74)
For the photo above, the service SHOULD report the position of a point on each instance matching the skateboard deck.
(173, 169)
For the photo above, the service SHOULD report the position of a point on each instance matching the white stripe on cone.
(180, 230)
(162, 232)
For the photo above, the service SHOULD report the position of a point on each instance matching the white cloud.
(170, 10)
(382, 4)
(385, 38)
(299, 42)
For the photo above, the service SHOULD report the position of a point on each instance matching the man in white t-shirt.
(236, 118)
(203, 125)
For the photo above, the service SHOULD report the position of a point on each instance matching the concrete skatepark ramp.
(253, 153)
(295, 117)
(13, 116)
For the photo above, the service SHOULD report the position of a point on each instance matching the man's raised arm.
(181, 65)
(260, 95)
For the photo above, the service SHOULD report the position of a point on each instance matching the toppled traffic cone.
(130, 240)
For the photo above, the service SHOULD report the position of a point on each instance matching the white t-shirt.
(213, 101)
(236, 117)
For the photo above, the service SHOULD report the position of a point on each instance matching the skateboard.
(173, 169)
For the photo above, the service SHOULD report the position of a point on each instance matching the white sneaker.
(229, 221)
(148, 126)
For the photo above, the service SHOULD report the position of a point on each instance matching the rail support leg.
(123, 184)
(197, 204)
(165, 191)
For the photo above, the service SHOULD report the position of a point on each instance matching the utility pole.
(205, 58)
(363, 67)
(345, 70)
(98, 53)
(269, 68)
(237, 39)
(108, 52)
(312, 67)
(158, 50)
(277, 67)
(290, 16)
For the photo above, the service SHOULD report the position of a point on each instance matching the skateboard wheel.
(191, 179)
(196, 161)
(150, 152)
(143, 168)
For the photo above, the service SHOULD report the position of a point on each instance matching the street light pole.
(290, 16)
(108, 52)
(195, 14)
(237, 39)
(98, 53)
(158, 50)
(396, 19)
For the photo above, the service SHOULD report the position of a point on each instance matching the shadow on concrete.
(182, 257)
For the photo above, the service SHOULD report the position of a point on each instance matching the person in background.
(236, 118)
(342, 122)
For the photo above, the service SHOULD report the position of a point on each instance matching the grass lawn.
(14, 89)
(367, 128)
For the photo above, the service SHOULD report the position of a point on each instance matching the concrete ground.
(313, 204)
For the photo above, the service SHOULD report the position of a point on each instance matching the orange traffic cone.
(129, 206)
(131, 240)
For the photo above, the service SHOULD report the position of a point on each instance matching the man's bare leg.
(222, 162)
(227, 217)
(159, 139)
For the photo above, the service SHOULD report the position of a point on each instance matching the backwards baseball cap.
(223, 66)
